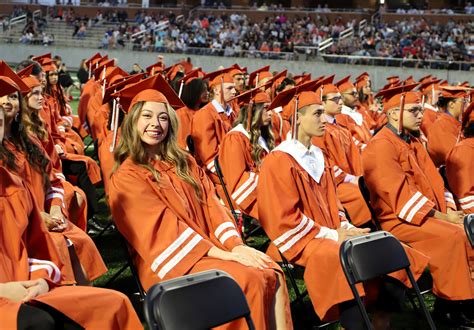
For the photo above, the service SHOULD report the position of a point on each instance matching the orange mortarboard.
(173, 71)
(7, 86)
(115, 75)
(302, 78)
(93, 59)
(191, 75)
(6, 71)
(275, 81)
(329, 89)
(219, 76)
(48, 65)
(393, 79)
(187, 66)
(323, 81)
(426, 78)
(42, 58)
(152, 89)
(100, 72)
(391, 85)
(155, 68)
(236, 69)
(465, 84)
(257, 75)
(426, 85)
(409, 81)
(454, 92)
(391, 96)
(345, 84)
(25, 72)
(363, 75)
(118, 85)
(31, 82)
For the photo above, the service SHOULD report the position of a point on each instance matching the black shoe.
(95, 227)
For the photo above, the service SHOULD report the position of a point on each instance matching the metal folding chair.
(197, 301)
(371, 256)
(469, 227)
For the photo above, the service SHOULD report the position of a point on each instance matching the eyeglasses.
(354, 93)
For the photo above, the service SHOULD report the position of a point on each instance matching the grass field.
(114, 256)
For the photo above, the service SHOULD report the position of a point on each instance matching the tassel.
(112, 118)
(402, 106)
(90, 70)
(249, 115)
(115, 128)
(181, 88)
(294, 135)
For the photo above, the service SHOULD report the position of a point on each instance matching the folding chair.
(469, 227)
(367, 257)
(190, 144)
(366, 194)
(197, 301)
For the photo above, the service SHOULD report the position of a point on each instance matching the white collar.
(357, 117)
(261, 141)
(278, 109)
(311, 160)
(220, 109)
(430, 107)
(330, 119)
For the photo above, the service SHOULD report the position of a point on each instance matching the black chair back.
(220, 175)
(366, 194)
(469, 227)
(370, 256)
(190, 144)
(197, 301)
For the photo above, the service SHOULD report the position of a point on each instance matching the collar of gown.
(311, 160)
(357, 117)
(261, 141)
(220, 109)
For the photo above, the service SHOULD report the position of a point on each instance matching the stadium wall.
(13, 54)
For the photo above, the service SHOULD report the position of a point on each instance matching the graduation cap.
(187, 66)
(25, 72)
(426, 78)
(323, 81)
(6, 71)
(31, 82)
(398, 97)
(409, 81)
(303, 78)
(362, 80)
(216, 77)
(7, 86)
(155, 68)
(48, 66)
(92, 61)
(152, 89)
(236, 69)
(190, 76)
(363, 75)
(345, 84)
(454, 92)
(100, 71)
(119, 84)
(393, 79)
(42, 58)
(173, 71)
(329, 89)
(251, 97)
(258, 75)
(391, 85)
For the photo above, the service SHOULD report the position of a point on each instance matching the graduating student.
(446, 130)
(351, 118)
(166, 208)
(460, 165)
(344, 156)
(26, 157)
(242, 150)
(430, 88)
(210, 124)
(411, 202)
(299, 210)
(195, 95)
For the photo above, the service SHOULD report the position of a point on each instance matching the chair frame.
(348, 263)
(469, 227)
(158, 291)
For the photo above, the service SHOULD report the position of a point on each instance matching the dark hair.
(443, 102)
(58, 94)
(362, 97)
(287, 81)
(175, 82)
(120, 116)
(36, 67)
(192, 92)
(469, 130)
(34, 154)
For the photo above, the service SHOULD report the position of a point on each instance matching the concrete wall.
(14, 53)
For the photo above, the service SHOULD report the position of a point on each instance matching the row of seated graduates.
(359, 132)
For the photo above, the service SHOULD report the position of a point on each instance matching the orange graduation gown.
(442, 137)
(405, 186)
(345, 159)
(460, 174)
(355, 123)
(302, 224)
(27, 253)
(239, 170)
(185, 116)
(170, 230)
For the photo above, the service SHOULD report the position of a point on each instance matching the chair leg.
(361, 306)
(420, 299)
(116, 275)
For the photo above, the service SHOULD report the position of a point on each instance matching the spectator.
(83, 73)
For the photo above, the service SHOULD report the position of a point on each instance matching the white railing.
(325, 44)
(139, 35)
(347, 33)
(362, 25)
(37, 13)
(17, 20)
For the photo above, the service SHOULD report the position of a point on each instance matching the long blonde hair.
(131, 145)
(33, 122)
(256, 130)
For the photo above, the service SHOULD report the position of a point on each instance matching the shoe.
(95, 227)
